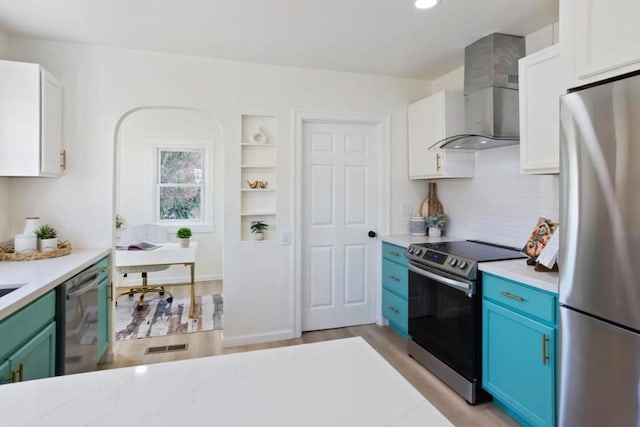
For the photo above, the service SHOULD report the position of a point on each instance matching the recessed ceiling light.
(483, 142)
(426, 4)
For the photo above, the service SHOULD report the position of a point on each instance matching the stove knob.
(412, 250)
(453, 262)
(462, 265)
(418, 251)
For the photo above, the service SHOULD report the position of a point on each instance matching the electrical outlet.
(285, 237)
(406, 209)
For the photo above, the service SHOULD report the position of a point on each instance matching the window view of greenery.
(180, 184)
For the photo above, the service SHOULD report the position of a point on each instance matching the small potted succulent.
(47, 238)
(436, 223)
(184, 236)
(257, 228)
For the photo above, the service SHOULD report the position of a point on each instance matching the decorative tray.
(8, 254)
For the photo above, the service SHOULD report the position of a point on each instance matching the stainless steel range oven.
(445, 310)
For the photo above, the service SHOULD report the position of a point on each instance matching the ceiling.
(387, 37)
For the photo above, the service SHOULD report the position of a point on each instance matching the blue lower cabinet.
(519, 354)
(395, 288)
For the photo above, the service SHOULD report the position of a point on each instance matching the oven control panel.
(453, 264)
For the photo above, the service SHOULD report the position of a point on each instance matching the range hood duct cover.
(490, 94)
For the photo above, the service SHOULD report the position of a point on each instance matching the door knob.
(372, 234)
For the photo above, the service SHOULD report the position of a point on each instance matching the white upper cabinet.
(601, 38)
(30, 121)
(431, 120)
(540, 89)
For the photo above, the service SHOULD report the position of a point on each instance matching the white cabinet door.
(51, 126)
(30, 120)
(602, 37)
(431, 120)
(540, 91)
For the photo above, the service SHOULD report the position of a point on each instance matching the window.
(180, 185)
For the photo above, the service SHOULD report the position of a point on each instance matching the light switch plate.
(285, 237)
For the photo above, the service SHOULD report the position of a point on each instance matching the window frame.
(207, 198)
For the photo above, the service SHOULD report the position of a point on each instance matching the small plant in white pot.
(184, 236)
(47, 238)
(257, 228)
(436, 223)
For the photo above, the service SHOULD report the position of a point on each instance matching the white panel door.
(338, 211)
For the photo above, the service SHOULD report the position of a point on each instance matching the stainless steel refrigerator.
(599, 329)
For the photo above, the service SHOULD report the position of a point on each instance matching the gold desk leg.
(193, 293)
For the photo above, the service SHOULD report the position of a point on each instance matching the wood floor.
(390, 345)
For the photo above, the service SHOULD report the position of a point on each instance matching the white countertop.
(405, 240)
(519, 271)
(41, 276)
(333, 383)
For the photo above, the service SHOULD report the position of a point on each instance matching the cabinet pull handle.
(21, 372)
(438, 165)
(104, 269)
(545, 356)
(394, 253)
(512, 296)
(63, 159)
(110, 291)
(394, 278)
(395, 310)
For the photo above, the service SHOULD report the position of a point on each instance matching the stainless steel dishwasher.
(81, 321)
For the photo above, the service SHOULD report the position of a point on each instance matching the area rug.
(159, 318)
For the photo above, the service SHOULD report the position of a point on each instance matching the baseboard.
(134, 279)
(256, 338)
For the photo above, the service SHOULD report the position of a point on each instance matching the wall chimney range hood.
(490, 95)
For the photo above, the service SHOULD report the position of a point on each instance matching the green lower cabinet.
(519, 356)
(37, 358)
(103, 317)
(28, 342)
(395, 288)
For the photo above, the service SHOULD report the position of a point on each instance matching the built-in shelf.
(258, 166)
(257, 190)
(258, 163)
(265, 213)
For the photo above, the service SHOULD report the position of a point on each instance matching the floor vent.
(166, 348)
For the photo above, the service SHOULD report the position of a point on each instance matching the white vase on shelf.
(32, 223)
(259, 137)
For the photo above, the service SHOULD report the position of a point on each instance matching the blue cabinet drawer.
(395, 278)
(394, 253)
(527, 300)
(395, 309)
(25, 323)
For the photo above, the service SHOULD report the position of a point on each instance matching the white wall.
(135, 184)
(101, 84)
(5, 207)
(499, 204)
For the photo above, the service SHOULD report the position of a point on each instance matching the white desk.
(168, 254)
(333, 383)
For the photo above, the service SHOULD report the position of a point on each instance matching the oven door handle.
(460, 286)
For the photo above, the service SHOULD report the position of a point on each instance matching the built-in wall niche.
(258, 174)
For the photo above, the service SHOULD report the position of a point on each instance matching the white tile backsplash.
(499, 204)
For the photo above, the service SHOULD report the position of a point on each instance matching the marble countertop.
(405, 240)
(519, 271)
(41, 276)
(333, 383)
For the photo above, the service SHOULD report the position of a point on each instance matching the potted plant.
(47, 238)
(257, 228)
(436, 223)
(184, 236)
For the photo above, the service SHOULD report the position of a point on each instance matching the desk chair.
(144, 233)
